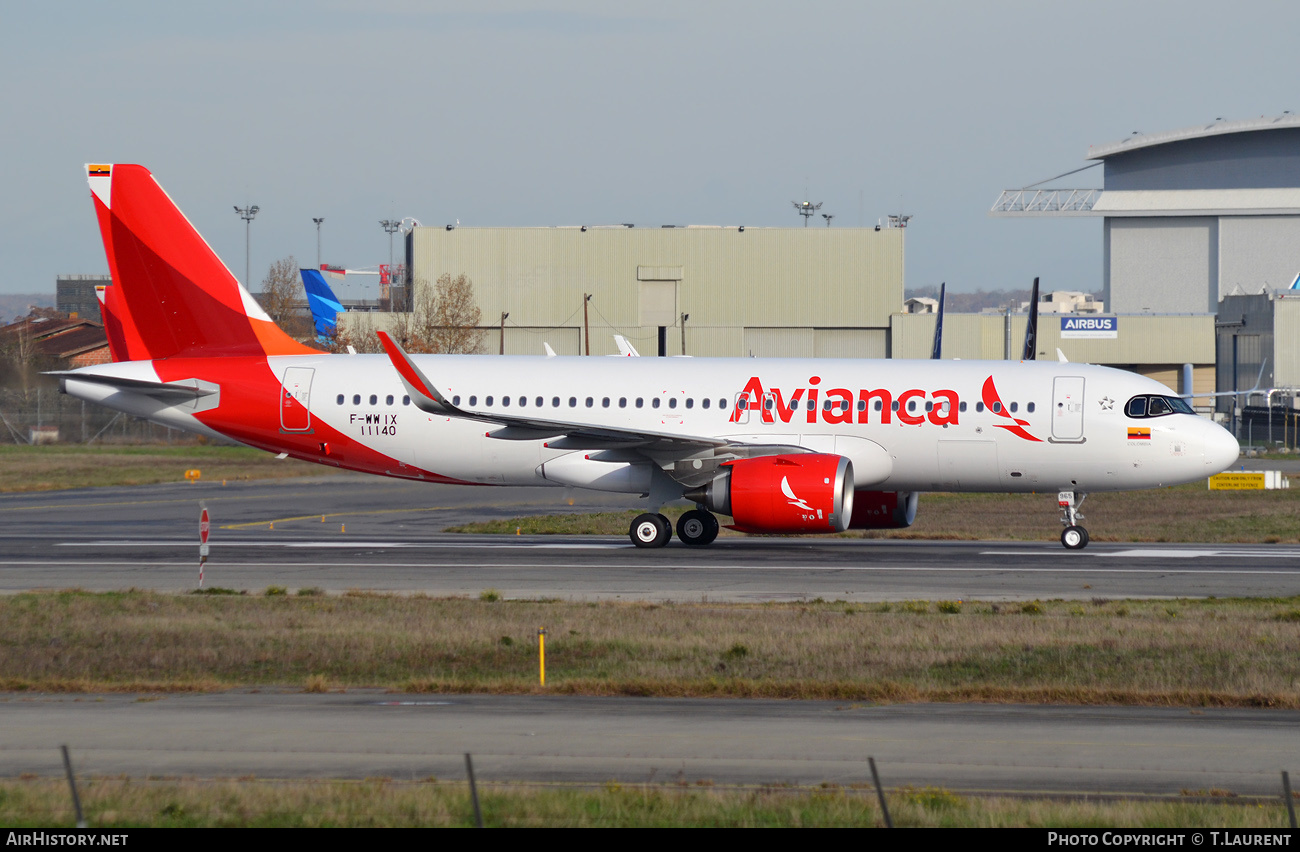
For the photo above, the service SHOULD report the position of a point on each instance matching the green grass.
(117, 803)
(52, 468)
(1243, 653)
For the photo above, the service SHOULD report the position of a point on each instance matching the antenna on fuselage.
(937, 346)
(1030, 351)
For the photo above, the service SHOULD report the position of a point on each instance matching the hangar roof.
(1200, 131)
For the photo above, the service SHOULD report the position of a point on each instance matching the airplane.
(780, 445)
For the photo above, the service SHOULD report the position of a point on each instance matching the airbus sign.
(1074, 326)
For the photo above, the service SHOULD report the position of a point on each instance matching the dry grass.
(1185, 653)
(51, 468)
(1185, 513)
(120, 803)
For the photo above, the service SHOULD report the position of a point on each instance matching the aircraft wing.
(664, 448)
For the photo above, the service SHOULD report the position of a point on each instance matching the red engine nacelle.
(809, 493)
(883, 510)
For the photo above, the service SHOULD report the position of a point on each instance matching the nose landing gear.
(1074, 537)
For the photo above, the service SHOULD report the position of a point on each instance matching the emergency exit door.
(295, 396)
(1067, 408)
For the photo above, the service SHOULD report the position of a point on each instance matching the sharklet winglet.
(423, 393)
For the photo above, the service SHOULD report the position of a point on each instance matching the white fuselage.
(1057, 427)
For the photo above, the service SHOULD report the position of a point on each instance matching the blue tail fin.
(325, 306)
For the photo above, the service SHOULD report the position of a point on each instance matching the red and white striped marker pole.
(205, 526)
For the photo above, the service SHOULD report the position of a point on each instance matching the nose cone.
(1221, 449)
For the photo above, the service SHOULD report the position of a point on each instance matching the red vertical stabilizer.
(175, 296)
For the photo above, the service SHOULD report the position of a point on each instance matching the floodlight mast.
(318, 221)
(247, 214)
(807, 209)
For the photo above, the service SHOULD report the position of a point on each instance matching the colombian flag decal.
(98, 171)
(1139, 433)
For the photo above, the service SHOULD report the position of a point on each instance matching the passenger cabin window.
(705, 402)
(374, 398)
(722, 403)
(388, 400)
(356, 399)
(488, 401)
(340, 399)
(406, 400)
(654, 403)
(1028, 407)
(672, 402)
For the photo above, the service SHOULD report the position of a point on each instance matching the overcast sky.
(502, 113)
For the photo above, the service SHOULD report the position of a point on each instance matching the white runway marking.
(641, 566)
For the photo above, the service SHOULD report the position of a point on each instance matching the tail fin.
(124, 342)
(176, 295)
(325, 306)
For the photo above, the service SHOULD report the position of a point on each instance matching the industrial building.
(74, 295)
(698, 290)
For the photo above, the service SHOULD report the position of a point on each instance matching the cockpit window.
(1156, 406)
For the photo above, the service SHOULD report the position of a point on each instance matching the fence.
(42, 415)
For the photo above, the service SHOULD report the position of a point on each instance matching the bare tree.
(444, 320)
(358, 332)
(284, 300)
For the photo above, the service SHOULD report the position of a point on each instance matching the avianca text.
(775, 402)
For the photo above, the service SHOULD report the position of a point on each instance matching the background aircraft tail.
(325, 306)
(174, 295)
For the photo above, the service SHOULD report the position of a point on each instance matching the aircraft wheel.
(697, 527)
(1074, 538)
(650, 530)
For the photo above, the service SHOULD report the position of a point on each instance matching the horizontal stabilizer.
(183, 390)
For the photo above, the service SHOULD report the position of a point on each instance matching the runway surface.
(386, 535)
(572, 739)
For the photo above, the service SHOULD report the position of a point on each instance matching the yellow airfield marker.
(541, 655)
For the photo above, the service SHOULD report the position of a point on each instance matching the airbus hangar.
(1190, 218)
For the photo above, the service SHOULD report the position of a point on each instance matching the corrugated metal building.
(825, 292)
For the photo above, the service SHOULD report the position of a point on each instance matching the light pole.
(390, 226)
(318, 221)
(247, 214)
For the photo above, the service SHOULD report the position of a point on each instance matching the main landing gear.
(695, 528)
(1073, 536)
